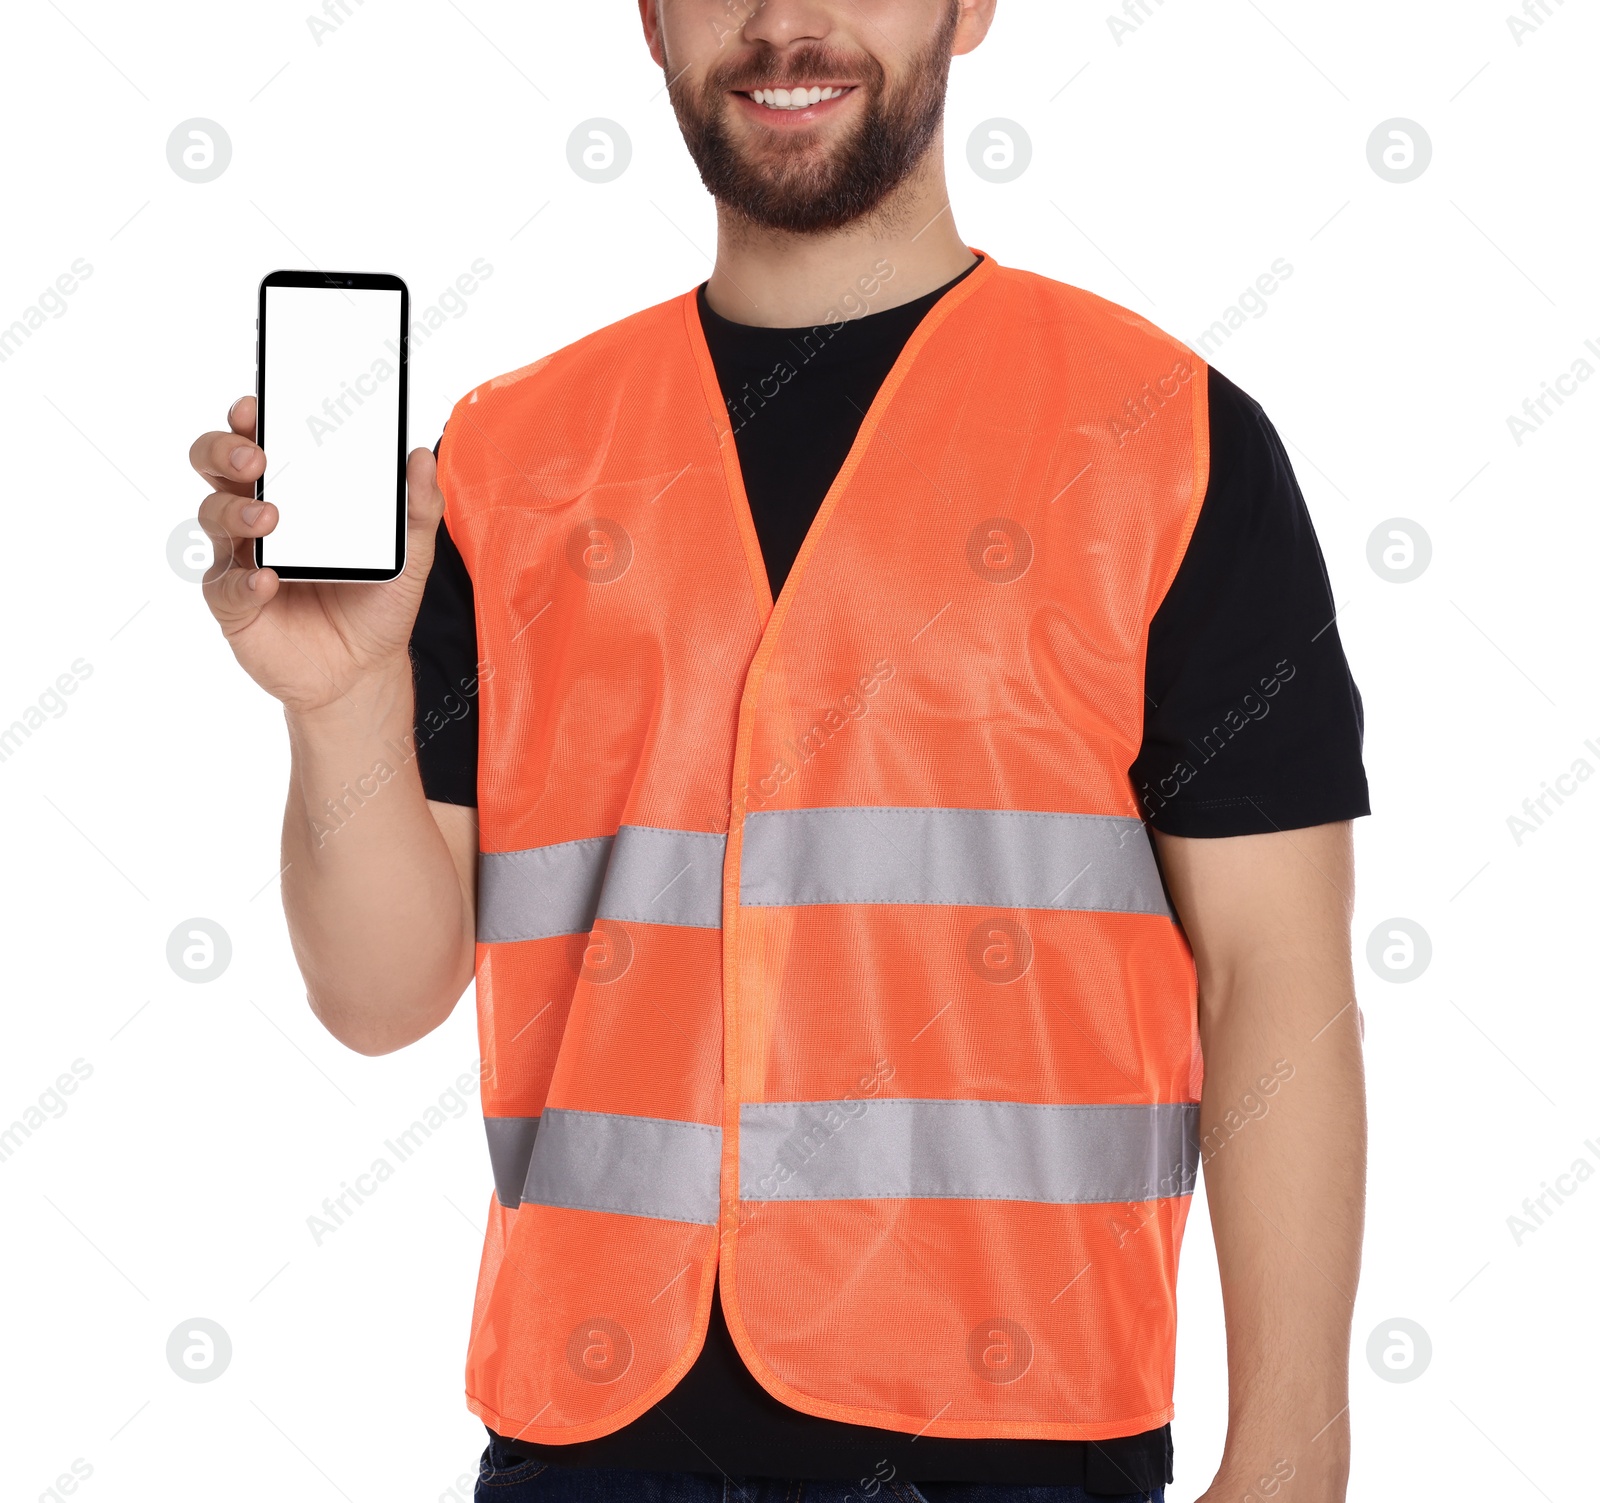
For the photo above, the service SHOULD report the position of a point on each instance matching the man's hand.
(1283, 1143)
(311, 641)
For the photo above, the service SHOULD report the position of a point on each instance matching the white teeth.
(793, 99)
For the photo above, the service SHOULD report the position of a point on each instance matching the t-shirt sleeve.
(1253, 722)
(444, 658)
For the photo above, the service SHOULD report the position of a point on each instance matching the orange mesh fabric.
(964, 629)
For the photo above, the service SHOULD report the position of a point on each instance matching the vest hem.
(881, 1419)
(548, 1435)
(888, 1419)
(513, 1429)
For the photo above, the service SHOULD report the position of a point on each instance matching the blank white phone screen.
(332, 415)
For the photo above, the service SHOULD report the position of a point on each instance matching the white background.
(1168, 172)
(337, 505)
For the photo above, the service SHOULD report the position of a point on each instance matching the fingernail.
(241, 456)
(250, 511)
(255, 574)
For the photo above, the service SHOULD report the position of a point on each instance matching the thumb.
(424, 499)
(424, 508)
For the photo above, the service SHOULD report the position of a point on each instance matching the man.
(841, 1041)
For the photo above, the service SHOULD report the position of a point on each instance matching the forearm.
(1283, 1142)
(378, 914)
(1283, 1132)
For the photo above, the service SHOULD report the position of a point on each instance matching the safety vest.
(821, 942)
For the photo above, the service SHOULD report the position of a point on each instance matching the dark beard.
(797, 192)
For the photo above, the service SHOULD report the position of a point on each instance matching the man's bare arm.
(1283, 1141)
(380, 905)
(377, 884)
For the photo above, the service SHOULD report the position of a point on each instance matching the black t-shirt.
(1252, 724)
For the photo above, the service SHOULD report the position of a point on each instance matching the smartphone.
(331, 415)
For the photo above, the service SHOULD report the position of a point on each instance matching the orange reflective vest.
(821, 941)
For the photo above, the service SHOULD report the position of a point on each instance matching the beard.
(793, 183)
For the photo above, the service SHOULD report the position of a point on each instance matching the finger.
(233, 523)
(237, 594)
(228, 460)
(242, 417)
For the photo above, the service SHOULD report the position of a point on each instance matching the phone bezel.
(340, 280)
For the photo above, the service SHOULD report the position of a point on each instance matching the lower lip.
(789, 119)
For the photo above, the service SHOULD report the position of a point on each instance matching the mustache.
(767, 68)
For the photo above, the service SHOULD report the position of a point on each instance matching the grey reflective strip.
(966, 1150)
(640, 875)
(510, 1148)
(552, 889)
(989, 858)
(635, 1166)
(665, 877)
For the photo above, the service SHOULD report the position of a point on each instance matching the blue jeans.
(542, 1482)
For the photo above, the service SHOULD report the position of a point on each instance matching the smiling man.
(883, 749)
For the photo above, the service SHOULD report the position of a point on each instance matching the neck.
(906, 247)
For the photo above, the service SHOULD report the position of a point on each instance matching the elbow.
(374, 1029)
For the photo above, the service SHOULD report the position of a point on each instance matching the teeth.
(793, 99)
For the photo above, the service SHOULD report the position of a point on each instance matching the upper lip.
(811, 83)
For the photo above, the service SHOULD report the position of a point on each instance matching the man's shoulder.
(1084, 315)
(604, 352)
(544, 428)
